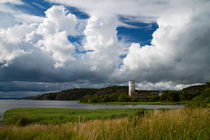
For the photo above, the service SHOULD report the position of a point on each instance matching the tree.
(173, 96)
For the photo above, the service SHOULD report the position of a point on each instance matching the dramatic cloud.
(179, 49)
(60, 50)
(101, 39)
(160, 86)
(54, 30)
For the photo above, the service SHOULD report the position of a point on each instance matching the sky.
(54, 45)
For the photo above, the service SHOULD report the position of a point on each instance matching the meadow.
(178, 124)
(25, 116)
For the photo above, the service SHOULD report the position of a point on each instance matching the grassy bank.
(139, 103)
(179, 124)
(24, 116)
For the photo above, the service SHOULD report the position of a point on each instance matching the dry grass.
(180, 124)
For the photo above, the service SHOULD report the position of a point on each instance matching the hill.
(194, 88)
(78, 93)
(120, 94)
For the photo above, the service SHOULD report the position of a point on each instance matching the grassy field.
(179, 124)
(23, 116)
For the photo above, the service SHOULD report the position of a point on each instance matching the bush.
(173, 96)
(202, 100)
(154, 99)
(124, 98)
(93, 99)
(207, 85)
(133, 99)
(163, 97)
(188, 95)
(195, 104)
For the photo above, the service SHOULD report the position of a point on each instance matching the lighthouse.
(131, 90)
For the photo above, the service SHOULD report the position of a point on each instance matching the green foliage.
(114, 97)
(207, 85)
(118, 97)
(119, 94)
(140, 112)
(78, 94)
(203, 100)
(164, 97)
(124, 98)
(72, 94)
(173, 96)
(187, 96)
(23, 121)
(197, 103)
(154, 99)
(200, 101)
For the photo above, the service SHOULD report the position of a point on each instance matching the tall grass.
(25, 116)
(180, 124)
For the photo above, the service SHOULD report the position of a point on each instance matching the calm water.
(9, 104)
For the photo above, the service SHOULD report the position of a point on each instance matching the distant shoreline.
(137, 103)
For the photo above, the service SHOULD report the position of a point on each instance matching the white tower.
(131, 84)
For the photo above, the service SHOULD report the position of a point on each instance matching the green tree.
(173, 96)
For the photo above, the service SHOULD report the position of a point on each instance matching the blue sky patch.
(38, 7)
(123, 56)
(77, 12)
(76, 39)
(82, 51)
(139, 32)
(35, 7)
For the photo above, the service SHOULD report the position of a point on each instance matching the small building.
(160, 93)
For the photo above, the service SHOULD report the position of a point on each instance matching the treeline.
(78, 93)
(194, 94)
(72, 94)
(170, 96)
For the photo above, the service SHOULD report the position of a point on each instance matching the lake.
(10, 104)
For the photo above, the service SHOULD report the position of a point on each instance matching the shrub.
(163, 97)
(154, 99)
(202, 100)
(195, 104)
(124, 98)
(188, 95)
(173, 96)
